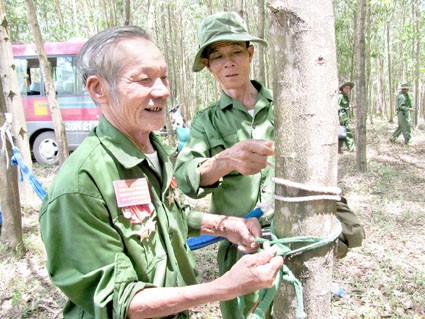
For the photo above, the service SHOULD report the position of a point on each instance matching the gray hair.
(100, 56)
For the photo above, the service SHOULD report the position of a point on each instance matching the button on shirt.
(219, 127)
(95, 255)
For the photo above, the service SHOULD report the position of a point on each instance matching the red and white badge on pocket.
(134, 199)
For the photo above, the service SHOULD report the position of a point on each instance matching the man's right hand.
(247, 157)
(253, 272)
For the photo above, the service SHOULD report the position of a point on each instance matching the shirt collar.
(265, 96)
(127, 154)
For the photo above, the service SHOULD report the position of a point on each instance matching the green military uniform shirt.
(219, 127)
(97, 256)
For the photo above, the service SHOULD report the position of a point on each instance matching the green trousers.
(349, 140)
(404, 126)
(238, 308)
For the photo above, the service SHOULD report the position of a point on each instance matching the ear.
(206, 63)
(96, 88)
(250, 52)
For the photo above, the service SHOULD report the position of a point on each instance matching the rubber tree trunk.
(11, 231)
(305, 94)
(49, 85)
(361, 91)
(14, 105)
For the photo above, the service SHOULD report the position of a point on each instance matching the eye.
(215, 56)
(144, 80)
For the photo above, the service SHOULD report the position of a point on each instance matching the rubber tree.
(49, 85)
(11, 232)
(305, 95)
(361, 91)
(14, 104)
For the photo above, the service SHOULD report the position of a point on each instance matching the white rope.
(328, 193)
(306, 198)
(5, 134)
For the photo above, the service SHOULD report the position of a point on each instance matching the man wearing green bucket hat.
(344, 117)
(230, 141)
(404, 107)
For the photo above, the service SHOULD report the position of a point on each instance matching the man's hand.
(239, 231)
(247, 157)
(242, 232)
(253, 272)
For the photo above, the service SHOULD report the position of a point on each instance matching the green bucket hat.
(351, 84)
(405, 86)
(222, 26)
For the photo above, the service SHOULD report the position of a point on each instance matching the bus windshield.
(78, 111)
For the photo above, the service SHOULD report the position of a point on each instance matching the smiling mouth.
(153, 109)
(231, 75)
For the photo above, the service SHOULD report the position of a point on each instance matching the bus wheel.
(45, 148)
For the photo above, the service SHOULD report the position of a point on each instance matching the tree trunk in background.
(60, 16)
(14, 105)
(417, 55)
(361, 91)
(390, 79)
(49, 85)
(260, 48)
(170, 102)
(127, 11)
(305, 94)
(11, 233)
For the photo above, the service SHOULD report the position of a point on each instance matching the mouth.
(153, 109)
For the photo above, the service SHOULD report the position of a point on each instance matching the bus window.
(65, 73)
(34, 77)
(21, 66)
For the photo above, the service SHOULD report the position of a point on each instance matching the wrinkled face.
(142, 89)
(346, 89)
(229, 62)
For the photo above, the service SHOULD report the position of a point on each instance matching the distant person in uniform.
(344, 116)
(404, 108)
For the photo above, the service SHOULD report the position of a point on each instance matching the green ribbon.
(285, 274)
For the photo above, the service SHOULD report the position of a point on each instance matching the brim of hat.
(198, 66)
(351, 84)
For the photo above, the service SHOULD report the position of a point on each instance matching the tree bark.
(390, 79)
(49, 85)
(305, 96)
(14, 105)
(11, 233)
(260, 48)
(361, 90)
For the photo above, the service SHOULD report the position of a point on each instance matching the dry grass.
(385, 278)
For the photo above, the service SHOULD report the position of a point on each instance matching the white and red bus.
(79, 113)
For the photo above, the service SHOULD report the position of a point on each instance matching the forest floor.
(385, 278)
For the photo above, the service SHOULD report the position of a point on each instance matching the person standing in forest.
(113, 223)
(231, 142)
(344, 116)
(404, 108)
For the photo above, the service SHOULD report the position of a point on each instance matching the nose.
(161, 88)
(229, 61)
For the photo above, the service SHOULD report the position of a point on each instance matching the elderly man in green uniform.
(404, 107)
(113, 223)
(231, 141)
(344, 116)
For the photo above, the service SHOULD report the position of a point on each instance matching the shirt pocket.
(220, 143)
(145, 253)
